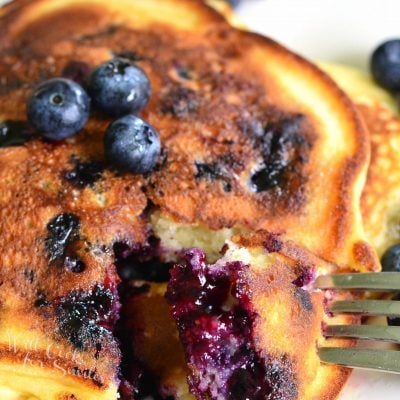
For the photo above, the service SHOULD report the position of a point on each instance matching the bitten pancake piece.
(380, 201)
(253, 135)
(249, 324)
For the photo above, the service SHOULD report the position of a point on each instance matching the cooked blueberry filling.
(84, 173)
(74, 264)
(14, 133)
(282, 146)
(140, 263)
(138, 383)
(212, 308)
(62, 230)
(85, 318)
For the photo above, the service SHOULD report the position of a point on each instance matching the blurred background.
(343, 31)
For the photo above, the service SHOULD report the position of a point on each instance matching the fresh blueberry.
(391, 259)
(385, 65)
(132, 145)
(118, 87)
(234, 3)
(14, 133)
(58, 108)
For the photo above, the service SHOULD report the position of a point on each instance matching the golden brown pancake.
(253, 137)
(381, 195)
(222, 125)
(284, 316)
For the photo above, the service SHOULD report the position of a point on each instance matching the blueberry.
(234, 3)
(58, 108)
(14, 133)
(118, 87)
(391, 259)
(132, 145)
(385, 65)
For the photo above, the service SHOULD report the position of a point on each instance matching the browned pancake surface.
(238, 149)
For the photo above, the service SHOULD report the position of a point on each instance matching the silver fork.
(367, 358)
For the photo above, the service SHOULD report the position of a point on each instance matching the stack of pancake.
(270, 175)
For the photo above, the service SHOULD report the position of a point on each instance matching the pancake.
(253, 137)
(232, 180)
(269, 280)
(380, 200)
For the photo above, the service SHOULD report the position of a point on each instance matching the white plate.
(344, 31)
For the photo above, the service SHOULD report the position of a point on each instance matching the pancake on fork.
(254, 137)
(249, 324)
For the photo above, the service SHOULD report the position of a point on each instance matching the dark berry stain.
(77, 71)
(62, 230)
(212, 171)
(179, 102)
(74, 264)
(306, 275)
(41, 300)
(208, 171)
(283, 146)
(84, 173)
(14, 133)
(29, 275)
(184, 73)
(213, 311)
(85, 318)
(272, 243)
(304, 298)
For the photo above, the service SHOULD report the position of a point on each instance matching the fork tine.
(367, 332)
(389, 308)
(384, 281)
(381, 360)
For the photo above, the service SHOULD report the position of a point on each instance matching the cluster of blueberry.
(59, 108)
